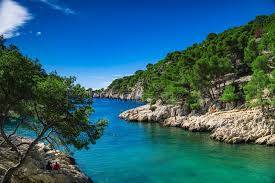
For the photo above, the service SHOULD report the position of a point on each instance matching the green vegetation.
(55, 108)
(229, 94)
(202, 70)
(260, 89)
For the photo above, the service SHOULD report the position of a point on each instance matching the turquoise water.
(143, 153)
(138, 152)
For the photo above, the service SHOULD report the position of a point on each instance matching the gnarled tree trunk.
(8, 175)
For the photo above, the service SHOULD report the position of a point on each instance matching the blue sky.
(100, 40)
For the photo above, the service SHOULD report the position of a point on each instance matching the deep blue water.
(142, 153)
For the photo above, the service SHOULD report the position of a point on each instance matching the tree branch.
(17, 126)
(6, 139)
(23, 143)
(23, 158)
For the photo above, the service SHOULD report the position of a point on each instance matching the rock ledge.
(34, 170)
(233, 126)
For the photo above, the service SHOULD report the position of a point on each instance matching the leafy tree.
(17, 75)
(208, 75)
(211, 36)
(229, 94)
(261, 63)
(251, 51)
(53, 107)
(260, 90)
(194, 101)
(254, 90)
(271, 88)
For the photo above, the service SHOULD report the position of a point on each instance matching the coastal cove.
(147, 152)
(137, 91)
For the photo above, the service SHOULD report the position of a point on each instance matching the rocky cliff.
(35, 169)
(233, 126)
(134, 93)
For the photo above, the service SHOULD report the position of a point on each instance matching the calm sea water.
(143, 153)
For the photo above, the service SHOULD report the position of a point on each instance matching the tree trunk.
(5, 137)
(8, 175)
(8, 141)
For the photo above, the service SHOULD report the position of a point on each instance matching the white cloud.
(38, 33)
(58, 7)
(12, 16)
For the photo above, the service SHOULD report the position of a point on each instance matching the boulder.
(271, 141)
(263, 140)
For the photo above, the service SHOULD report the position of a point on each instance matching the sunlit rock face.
(34, 170)
(135, 93)
(233, 126)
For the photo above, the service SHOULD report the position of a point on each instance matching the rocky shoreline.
(232, 126)
(34, 170)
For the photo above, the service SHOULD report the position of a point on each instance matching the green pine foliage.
(254, 90)
(53, 107)
(202, 68)
(271, 88)
(260, 89)
(229, 94)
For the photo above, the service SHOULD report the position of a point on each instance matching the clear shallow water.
(141, 153)
(138, 152)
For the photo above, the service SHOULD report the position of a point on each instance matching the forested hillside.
(211, 69)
